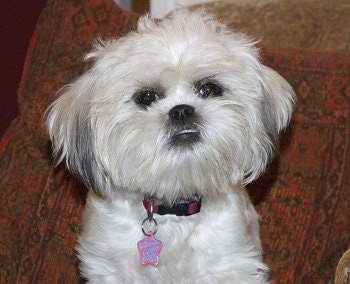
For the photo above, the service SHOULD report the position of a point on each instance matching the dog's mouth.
(185, 135)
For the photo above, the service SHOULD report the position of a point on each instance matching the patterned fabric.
(303, 199)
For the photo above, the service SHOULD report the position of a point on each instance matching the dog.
(166, 129)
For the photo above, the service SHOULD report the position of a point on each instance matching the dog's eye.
(209, 90)
(146, 97)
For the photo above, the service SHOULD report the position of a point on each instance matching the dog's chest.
(206, 247)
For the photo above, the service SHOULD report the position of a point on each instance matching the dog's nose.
(181, 112)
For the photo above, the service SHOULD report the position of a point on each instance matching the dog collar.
(182, 207)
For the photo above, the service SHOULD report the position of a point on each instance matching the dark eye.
(146, 98)
(209, 90)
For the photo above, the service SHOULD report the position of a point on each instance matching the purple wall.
(17, 22)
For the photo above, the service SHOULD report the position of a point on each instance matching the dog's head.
(178, 107)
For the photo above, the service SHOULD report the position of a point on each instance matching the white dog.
(166, 129)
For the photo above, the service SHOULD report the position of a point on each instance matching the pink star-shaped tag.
(149, 248)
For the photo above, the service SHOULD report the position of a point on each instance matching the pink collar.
(182, 207)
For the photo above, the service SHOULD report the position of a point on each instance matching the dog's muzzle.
(184, 126)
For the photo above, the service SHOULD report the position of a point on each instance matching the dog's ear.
(276, 107)
(279, 99)
(69, 124)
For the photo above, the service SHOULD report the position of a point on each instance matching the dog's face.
(178, 107)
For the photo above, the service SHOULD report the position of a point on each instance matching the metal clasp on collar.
(152, 227)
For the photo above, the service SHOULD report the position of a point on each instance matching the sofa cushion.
(304, 198)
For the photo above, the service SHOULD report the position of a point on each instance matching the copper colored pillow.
(304, 199)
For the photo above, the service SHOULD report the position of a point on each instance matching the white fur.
(122, 152)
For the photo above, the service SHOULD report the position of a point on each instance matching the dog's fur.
(124, 146)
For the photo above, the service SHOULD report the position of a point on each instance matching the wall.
(159, 8)
(17, 22)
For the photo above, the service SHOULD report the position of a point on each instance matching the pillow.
(41, 204)
(304, 198)
(308, 24)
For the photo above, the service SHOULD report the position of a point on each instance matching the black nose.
(181, 112)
